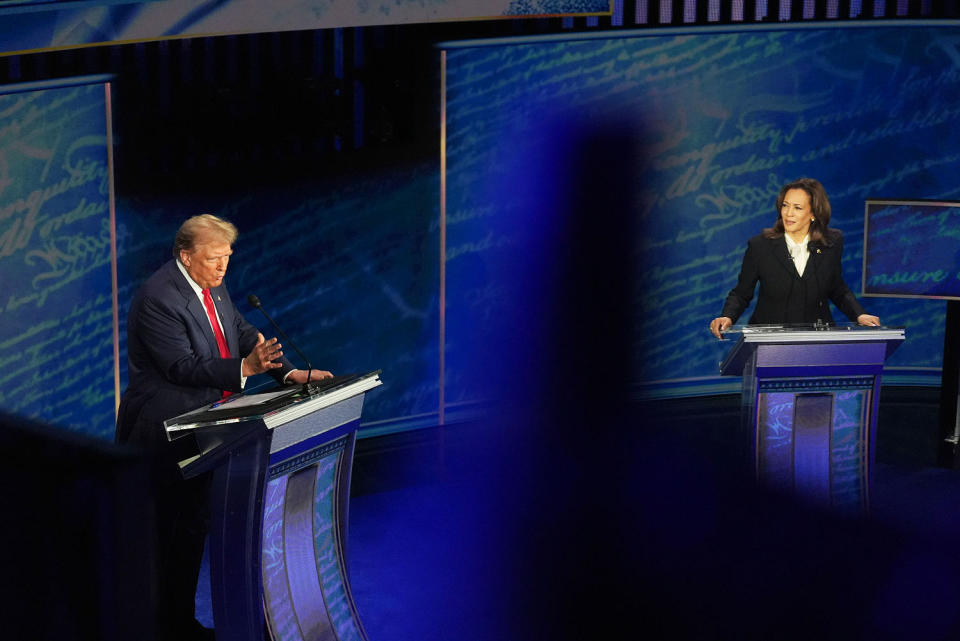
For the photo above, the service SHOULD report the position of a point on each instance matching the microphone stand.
(255, 302)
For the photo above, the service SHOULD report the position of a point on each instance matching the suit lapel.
(195, 307)
(783, 256)
(813, 262)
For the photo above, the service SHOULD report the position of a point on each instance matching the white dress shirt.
(798, 252)
(199, 292)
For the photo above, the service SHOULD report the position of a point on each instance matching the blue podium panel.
(851, 448)
(280, 497)
(815, 443)
(305, 582)
(812, 428)
(809, 408)
(774, 433)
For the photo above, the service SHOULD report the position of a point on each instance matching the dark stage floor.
(429, 561)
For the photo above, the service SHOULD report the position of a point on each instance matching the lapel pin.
(818, 251)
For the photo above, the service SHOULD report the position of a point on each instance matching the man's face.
(207, 263)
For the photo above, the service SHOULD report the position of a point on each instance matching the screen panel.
(912, 249)
(57, 335)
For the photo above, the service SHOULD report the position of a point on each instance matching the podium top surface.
(753, 337)
(274, 406)
(808, 333)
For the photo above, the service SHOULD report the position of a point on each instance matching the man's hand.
(261, 358)
(867, 319)
(299, 376)
(719, 325)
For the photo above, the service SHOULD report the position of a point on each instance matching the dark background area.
(312, 140)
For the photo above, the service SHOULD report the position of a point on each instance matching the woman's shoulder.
(833, 237)
(764, 239)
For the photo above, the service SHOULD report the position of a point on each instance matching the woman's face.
(796, 213)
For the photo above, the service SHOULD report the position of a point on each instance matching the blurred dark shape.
(607, 522)
(77, 517)
(558, 369)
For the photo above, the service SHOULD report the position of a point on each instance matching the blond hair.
(204, 224)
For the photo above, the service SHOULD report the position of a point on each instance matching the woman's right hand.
(719, 325)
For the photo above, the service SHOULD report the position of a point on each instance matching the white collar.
(791, 243)
(193, 284)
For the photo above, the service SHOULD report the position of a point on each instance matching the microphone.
(820, 324)
(255, 302)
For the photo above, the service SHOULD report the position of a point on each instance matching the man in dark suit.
(797, 263)
(188, 346)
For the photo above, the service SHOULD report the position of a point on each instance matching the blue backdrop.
(347, 266)
(911, 249)
(666, 150)
(711, 124)
(56, 304)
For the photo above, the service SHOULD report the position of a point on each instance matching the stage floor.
(428, 560)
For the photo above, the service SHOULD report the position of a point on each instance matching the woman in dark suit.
(797, 263)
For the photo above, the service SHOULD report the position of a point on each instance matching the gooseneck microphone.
(255, 302)
(820, 324)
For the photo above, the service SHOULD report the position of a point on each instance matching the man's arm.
(179, 350)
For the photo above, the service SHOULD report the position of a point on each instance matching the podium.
(809, 407)
(281, 465)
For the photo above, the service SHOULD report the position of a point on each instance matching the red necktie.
(221, 341)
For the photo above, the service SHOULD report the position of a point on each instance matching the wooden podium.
(809, 408)
(281, 466)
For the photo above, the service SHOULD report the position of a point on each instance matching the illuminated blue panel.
(913, 249)
(331, 566)
(850, 444)
(812, 429)
(348, 269)
(775, 414)
(56, 307)
(818, 452)
(717, 121)
(33, 25)
(276, 591)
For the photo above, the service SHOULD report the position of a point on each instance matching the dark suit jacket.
(175, 364)
(785, 296)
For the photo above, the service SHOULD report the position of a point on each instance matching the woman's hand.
(719, 325)
(867, 319)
